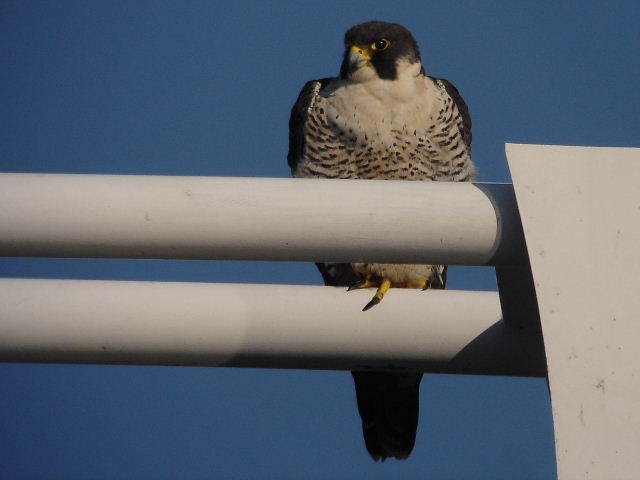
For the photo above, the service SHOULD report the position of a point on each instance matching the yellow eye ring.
(380, 44)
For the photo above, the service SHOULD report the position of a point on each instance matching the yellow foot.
(422, 283)
(377, 298)
(366, 282)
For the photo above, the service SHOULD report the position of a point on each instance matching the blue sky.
(205, 88)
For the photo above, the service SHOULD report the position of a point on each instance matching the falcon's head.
(378, 49)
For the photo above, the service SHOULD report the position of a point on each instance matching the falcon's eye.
(381, 44)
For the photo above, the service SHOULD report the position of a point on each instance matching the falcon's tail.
(388, 405)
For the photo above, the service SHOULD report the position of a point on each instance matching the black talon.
(355, 285)
(374, 301)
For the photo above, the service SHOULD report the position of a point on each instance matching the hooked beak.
(355, 58)
(359, 57)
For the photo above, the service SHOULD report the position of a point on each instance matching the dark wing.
(465, 116)
(298, 118)
(333, 274)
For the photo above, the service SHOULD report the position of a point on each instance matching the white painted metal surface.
(257, 219)
(580, 208)
(274, 326)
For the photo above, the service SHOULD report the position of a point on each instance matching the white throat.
(374, 107)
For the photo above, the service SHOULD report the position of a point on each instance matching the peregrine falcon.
(382, 118)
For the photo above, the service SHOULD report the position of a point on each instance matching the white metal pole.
(273, 326)
(580, 207)
(128, 216)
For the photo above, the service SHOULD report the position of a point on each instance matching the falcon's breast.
(408, 129)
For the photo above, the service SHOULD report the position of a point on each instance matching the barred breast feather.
(421, 131)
